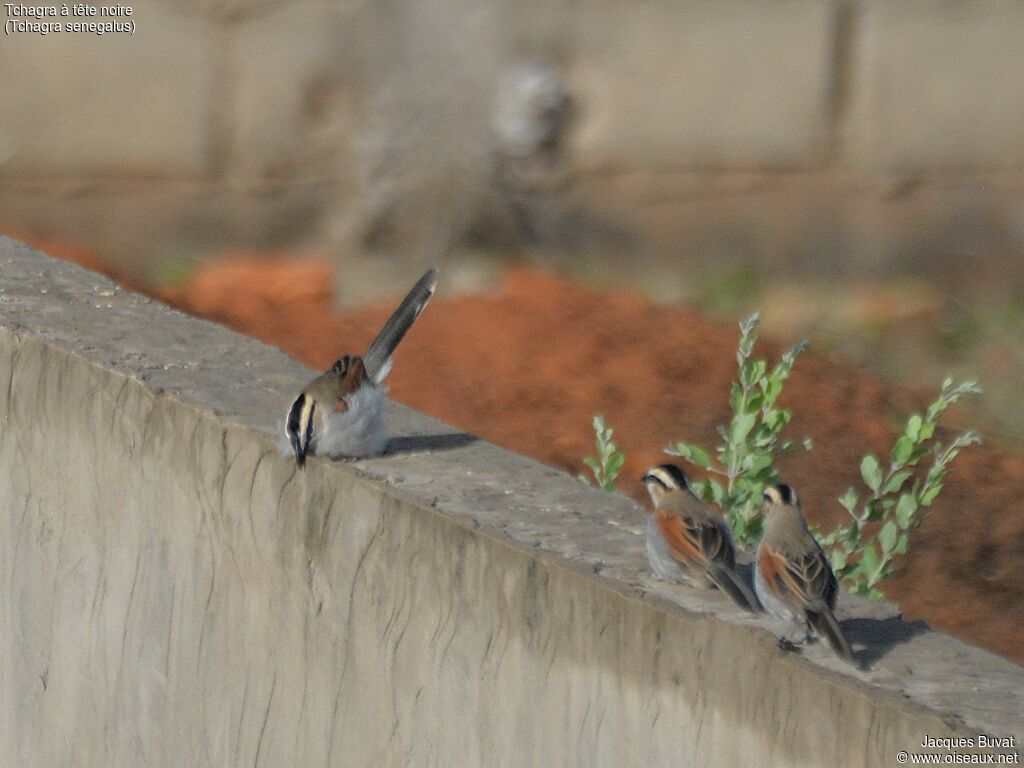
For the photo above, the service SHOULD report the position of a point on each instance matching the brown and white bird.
(792, 577)
(688, 542)
(340, 413)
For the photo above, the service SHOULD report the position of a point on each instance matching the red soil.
(528, 366)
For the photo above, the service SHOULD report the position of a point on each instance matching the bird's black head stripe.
(785, 493)
(658, 474)
(309, 424)
(295, 415)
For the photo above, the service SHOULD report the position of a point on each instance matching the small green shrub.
(863, 553)
(750, 441)
(606, 465)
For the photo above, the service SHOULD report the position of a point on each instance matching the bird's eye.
(340, 366)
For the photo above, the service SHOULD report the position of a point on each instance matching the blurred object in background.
(530, 123)
(651, 142)
(453, 160)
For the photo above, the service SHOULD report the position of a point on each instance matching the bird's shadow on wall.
(877, 637)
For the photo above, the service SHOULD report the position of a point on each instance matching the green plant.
(606, 466)
(751, 439)
(862, 553)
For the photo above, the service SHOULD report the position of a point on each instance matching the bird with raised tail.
(688, 542)
(340, 414)
(792, 577)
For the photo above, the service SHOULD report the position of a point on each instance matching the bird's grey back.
(787, 530)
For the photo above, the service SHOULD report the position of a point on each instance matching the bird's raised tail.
(730, 582)
(825, 624)
(378, 357)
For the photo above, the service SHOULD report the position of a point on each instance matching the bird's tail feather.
(733, 585)
(825, 624)
(378, 357)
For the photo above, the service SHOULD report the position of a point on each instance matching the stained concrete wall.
(854, 131)
(174, 592)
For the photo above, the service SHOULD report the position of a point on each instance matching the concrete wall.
(174, 592)
(857, 131)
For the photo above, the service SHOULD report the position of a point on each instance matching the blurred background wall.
(705, 149)
(857, 133)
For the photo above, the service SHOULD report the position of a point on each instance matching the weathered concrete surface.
(175, 593)
(941, 86)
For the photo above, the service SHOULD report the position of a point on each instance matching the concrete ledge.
(175, 593)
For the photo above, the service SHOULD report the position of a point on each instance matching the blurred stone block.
(81, 104)
(721, 85)
(939, 85)
(296, 88)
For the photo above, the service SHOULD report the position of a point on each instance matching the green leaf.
(757, 371)
(754, 463)
(929, 494)
(776, 420)
(871, 472)
(717, 491)
(876, 594)
(615, 462)
(905, 510)
(913, 430)
(902, 451)
(873, 509)
(748, 335)
(869, 561)
(591, 462)
(901, 545)
(754, 402)
(699, 457)
(700, 489)
(826, 540)
(855, 531)
(735, 399)
(742, 423)
(838, 559)
(896, 482)
(849, 500)
(887, 536)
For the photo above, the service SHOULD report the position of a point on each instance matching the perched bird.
(792, 577)
(688, 542)
(340, 413)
